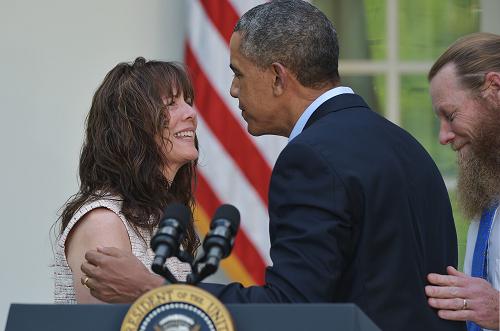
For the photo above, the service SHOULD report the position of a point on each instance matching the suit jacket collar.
(339, 102)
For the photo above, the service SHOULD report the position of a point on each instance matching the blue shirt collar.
(299, 126)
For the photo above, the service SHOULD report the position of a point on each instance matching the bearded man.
(465, 92)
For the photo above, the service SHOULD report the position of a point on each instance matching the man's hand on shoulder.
(117, 276)
(460, 297)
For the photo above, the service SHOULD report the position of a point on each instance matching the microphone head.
(230, 213)
(179, 212)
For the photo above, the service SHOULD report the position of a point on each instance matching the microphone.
(218, 243)
(220, 239)
(165, 243)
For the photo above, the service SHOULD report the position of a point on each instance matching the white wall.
(53, 55)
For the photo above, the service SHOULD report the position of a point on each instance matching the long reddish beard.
(479, 169)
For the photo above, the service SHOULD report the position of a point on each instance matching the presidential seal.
(177, 308)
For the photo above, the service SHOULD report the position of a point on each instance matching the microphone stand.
(164, 272)
(209, 267)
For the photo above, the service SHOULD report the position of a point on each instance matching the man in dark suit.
(358, 210)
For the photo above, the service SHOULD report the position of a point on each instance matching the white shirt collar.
(301, 123)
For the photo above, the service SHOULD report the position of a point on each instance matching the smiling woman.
(179, 135)
(139, 155)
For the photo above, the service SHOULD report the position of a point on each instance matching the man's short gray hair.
(295, 34)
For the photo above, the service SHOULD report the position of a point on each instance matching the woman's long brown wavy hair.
(124, 148)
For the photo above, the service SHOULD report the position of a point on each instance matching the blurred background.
(54, 54)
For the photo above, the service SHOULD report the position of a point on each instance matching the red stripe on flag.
(228, 130)
(222, 15)
(243, 247)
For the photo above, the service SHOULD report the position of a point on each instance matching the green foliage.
(428, 27)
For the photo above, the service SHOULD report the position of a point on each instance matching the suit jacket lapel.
(339, 102)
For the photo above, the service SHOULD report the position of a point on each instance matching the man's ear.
(491, 89)
(281, 77)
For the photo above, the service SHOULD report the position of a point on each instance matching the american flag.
(234, 167)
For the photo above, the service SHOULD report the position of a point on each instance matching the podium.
(246, 317)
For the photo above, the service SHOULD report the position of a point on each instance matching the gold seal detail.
(177, 307)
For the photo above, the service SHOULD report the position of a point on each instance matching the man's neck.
(303, 97)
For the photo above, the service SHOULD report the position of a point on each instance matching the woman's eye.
(170, 102)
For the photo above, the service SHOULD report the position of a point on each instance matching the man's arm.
(117, 276)
(310, 230)
(448, 292)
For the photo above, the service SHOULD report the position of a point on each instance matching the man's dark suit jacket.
(358, 213)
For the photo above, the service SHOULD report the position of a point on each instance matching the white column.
(393, 79)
